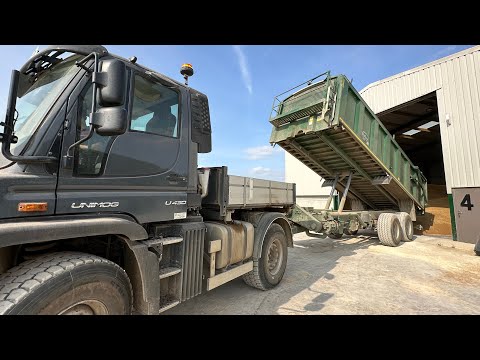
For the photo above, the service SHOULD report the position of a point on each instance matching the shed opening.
(416, 128)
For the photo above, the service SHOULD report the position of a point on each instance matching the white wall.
(310, 192)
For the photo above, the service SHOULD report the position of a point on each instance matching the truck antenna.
(186, 70)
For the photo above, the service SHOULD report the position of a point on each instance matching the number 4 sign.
(466, 202)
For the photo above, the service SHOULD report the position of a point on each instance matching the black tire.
(335, 236)
(406, 226)
(477, 252)
(266, 275)
(389, 229)
(68, 283)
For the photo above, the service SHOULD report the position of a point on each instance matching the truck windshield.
(36, 101)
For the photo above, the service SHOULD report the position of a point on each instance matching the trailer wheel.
(389, 229)
(269, 269)
(406, 226)
(66, 283)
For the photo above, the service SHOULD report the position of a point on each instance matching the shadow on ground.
(358, 275)
(310, 260)
(332, 250)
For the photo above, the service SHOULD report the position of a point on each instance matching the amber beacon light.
(186, 70)
(32, 207)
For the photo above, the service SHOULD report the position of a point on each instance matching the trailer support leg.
(344, 196)
(334, 185)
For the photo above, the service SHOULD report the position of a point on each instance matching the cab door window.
(90, 156)
(155, 108)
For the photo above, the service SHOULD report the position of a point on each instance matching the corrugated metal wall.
(456, 80)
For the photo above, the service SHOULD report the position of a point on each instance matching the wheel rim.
(409, 229)
(396, 231)
(275, 256)
(86, 307)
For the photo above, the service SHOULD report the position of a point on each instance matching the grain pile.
(436, 220)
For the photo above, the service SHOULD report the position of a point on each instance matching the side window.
(91, 155)
(155, 108)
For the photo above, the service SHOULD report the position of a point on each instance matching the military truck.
(103, 209)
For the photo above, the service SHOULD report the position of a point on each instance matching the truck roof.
(101, 51)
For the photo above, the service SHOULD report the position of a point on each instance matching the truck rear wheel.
(269, 269)
(406, 226)
(66, 283)
(389, 229)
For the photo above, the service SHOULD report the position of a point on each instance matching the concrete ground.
(358, 275)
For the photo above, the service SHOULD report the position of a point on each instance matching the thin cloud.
(444, 51)
(260, 152)
(242, 62)
(261, 171)
(266, 173)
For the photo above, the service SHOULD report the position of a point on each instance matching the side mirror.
(112, 82)
(110, 121)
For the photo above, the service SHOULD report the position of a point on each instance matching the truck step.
(168, 305)
(171, 240)
(169, 271)
(163, 241)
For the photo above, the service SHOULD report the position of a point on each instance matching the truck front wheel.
(66, 283)
(269, 269)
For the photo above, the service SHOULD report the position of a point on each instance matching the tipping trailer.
(329, 128)
(102, 207)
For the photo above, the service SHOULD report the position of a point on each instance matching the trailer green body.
(331, 129)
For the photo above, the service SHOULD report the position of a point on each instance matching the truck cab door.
(144, 172)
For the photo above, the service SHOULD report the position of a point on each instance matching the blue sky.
(241, 82)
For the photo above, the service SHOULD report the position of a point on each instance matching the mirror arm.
(67, 159)
(90, 134)
(25, 159)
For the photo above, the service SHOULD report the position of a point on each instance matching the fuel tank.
(237, 241)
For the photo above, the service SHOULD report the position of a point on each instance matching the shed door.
(467, 213)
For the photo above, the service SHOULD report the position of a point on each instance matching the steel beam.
(353, 164)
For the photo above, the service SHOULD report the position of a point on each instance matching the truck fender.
(141, 264)
(262, 222)
(142, 268)
(15, 232)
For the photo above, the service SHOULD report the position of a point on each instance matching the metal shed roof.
(421, 67)
(455, 81)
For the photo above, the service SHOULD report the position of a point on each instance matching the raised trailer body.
(330, 129)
